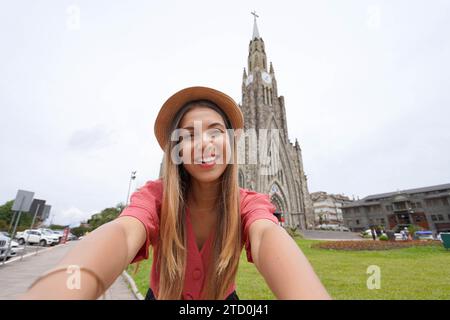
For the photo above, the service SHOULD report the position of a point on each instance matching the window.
(356, 210)
(440, 217)
(413, 205)
(444, 201)
(418, 218)
(449, 217)
(433, 217)
(357, 221)
(400, 206)
(367, 209)
(419, 204)
(382, 221)
(389, 207)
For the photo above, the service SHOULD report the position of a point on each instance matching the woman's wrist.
(65, 282)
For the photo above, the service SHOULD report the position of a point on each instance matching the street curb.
(132, 284)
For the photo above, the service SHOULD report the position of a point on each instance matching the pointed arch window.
(241, 179)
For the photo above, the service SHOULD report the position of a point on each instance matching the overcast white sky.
(366, 85)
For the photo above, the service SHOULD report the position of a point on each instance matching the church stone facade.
(264, 113)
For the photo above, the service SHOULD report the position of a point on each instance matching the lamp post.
(133, 176)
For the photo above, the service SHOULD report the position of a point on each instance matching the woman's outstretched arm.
(106, 251)
(283, 265)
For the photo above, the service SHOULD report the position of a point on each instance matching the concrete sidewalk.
(330, 235)
(15, 277)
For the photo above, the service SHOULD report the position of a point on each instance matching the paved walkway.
(16, 276)
(329, 235)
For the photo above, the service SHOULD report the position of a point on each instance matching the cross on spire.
(255, 27)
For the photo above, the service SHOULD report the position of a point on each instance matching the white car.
(52, 232)
(343, 229)
(366, 233)
(14, 243)
(398, 236)
(329, 227)
(4, 244)
(38, 237)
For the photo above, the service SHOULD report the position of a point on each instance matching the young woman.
(196, 218)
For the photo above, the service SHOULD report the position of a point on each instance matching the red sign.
(65, 235)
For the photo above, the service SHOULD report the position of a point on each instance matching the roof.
(359, 203)
(408, 191)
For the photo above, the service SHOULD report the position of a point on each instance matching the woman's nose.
(205, 142)
(204, 139)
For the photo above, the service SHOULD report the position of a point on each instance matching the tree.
(6, 213)
(6, 216)
(105, 216)
(57, 227)
(80, 231)
(412, 228)
(320, 218)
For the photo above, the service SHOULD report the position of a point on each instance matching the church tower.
(277, 168)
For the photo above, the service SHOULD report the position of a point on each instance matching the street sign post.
(22, 203)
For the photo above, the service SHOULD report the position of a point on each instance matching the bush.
(412, 228)
(383, 237)
(355, 245)
(293, 232)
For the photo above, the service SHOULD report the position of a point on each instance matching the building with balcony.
(426, 207)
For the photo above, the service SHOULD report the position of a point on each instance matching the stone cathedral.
(264, 111)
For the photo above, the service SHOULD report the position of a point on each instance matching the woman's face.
(205, 144)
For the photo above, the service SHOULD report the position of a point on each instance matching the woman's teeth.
(209, 159)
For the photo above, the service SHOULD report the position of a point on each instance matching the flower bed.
(373, 245)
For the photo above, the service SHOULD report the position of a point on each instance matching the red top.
(145, 205)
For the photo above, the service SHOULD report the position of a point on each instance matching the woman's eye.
(216, 132)
(188, 136)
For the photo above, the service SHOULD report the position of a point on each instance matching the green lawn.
(411, 273)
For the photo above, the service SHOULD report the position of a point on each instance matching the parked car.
(398, 236)
(366, 233)
(4, 244)
(37, 236)
(343, 228)
(71, 237)
(52, 232)
(332, 227)
(14, 243)
(423, 235)
(6, 234)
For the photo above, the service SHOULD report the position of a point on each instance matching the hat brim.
(172, 105)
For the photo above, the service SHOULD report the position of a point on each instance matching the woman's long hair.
(224, 258)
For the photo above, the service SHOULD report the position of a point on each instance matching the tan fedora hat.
(172, 105)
